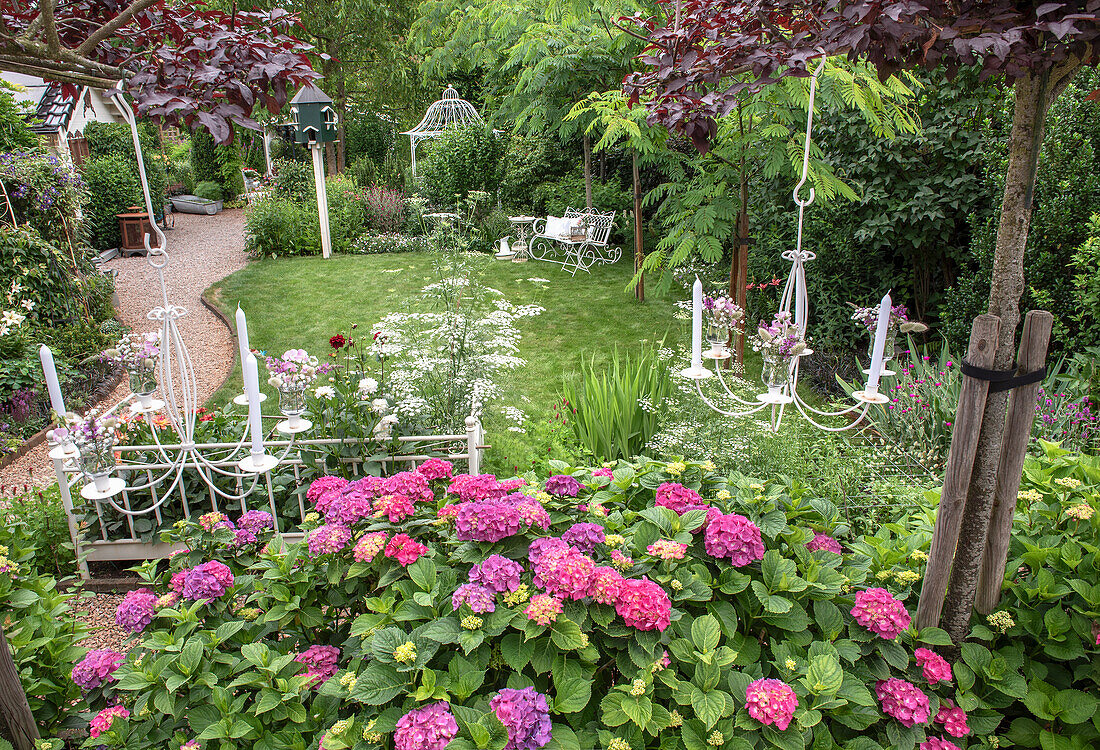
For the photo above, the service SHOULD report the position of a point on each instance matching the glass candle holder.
(97, 461)
(717, 336)
(143, 381)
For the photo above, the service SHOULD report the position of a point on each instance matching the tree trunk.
(639, 249)
(587, 171)
(1034, 95)
(341, 128)
(603, 167)
(739, 267)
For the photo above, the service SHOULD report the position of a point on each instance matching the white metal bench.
(554, 242)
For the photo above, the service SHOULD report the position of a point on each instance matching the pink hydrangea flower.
(348, 508)
(478, 598)
(476, 487)
(96, 668)
(565, 572)
(135, 611)
(643, 604)
(563, 485)
(321, 661)
(102, 721)
(428, 728)
(904, 701)
(207, 581)
(328, 539)
(531, 511)
(541, 546)
(369, 545)
(323, 490)
(394, 507)
(935, 666)
(735, 537)
(405, 549)
(603, 472)
(486, 521)
(937, 743)
(448, 512)
(953, 719)
(526, 716)
(410, 483)
(584, 536)
(667, 549)
(621, 561)
(497, 573)
(879, 612)
(543, 609)
(771, 702)
(178, 578)
(513, 484)
(677, 497)
(604, 585)
(824, 542)
(250, 526)
(435, 468)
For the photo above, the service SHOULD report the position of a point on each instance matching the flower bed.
(431, 610)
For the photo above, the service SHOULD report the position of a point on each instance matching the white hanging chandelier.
(783, 343)
(88, 441)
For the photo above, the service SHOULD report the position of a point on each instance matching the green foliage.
(44, 273)
(211, 191)
(392, 172)
(277, 226)
(204, 166)
(14, 133)
(45, 193)
(293, 181)
(614, 412)
(552, 198)
(42, 519)
(229, 161)
(1086, 283)
(369, 137)
(107, 139)
(364, 171)
(463, 159)
(531, 160)
(113, 186)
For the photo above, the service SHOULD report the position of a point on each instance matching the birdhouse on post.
(315, 124)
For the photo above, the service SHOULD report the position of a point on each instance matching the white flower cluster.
(13, 319)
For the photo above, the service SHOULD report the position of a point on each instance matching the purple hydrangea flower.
(563, 485)
(584, 536)
(497, 573)
(135, 612)
(97, 667)
(428, 728)
(525, 715)
(479, 598)
(486, 520)
(332, 537)
(322, 661)
(541, 546)
(207, 581)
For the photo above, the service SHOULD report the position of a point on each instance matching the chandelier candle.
(880, 344)
(252, 390)
(696, 371)
(57, 403)
(245, 350)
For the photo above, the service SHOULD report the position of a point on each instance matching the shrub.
(385, 209)
(391, 173)
(276, 226)
(203, 164)
(369, 137)
(530, 160)
(552, 198)
(229, 161)
(14, 133)
(347, 212)
(42, 272)
(47, 194)
(1086, 285)
(364, 171)
(614, 413)
(113, 186)
(293, 181)
(211, 191)
(461, 160)
(638, 623)
(114, 139)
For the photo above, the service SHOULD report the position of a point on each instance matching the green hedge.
(113, 186)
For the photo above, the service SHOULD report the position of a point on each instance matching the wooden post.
(960, 465)
(14, 708)
(739, 279)
(1021, 413)
(639, 249)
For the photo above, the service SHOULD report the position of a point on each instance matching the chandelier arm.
(722, 411)
(854, 423)
(163, 498)
(730, 393)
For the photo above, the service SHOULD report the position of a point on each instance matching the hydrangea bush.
(569, 613)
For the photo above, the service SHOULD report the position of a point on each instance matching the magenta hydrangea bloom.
(207, 581)
(935, 666)
(476, 597)
(584, 536)
(603, 472)
(879, 612)
(526, 716)
(435, 468)
(563, 485)
(323, 490)
(321, 661)
(250, 526)
(349, 508)
(369, 545)
(543, 609)
(565, 572)
(135, 611)
(541, 546)
(469, 487)
(677, 497)
(328, 539)
(530, 510)
(605, 584)
(412, 484)
(953, 719)
(102, 721)
(497, 573)
(937, 743)
(176, 584)
(825, 543)
(365, 490)
(513, 484)
(396, 507)
(643, 604)
(486, 520)
(405, 549)
(735, 537)
(904, 701)
(771, 702)
(428, 728)
(96, 668)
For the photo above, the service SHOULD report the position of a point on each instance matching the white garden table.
(522, 227)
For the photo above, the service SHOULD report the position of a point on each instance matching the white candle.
(252, 388)
(697, 325)
(242, 335)
(57, 403)
(881, 328)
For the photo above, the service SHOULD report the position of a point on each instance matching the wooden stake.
(14, 708)
(639, 248)
(1021, 413)
(960, 465)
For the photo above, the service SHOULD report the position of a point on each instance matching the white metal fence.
(129, 524)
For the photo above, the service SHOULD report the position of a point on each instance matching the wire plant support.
(795, 302)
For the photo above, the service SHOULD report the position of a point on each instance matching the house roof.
(51, 109)
(310, 94)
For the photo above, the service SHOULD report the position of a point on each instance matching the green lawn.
(301, 302)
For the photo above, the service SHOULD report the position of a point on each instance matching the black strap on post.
(1002, 380)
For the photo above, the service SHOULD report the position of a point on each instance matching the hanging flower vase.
(292, 403)
(776, 375)
(717, 336)
(143, 382)
(889, 351)
(97, 461)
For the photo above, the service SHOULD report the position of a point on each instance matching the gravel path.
(202, 250)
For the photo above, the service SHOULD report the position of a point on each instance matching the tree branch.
(49, 26)
(116, 23)
(80, 79)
